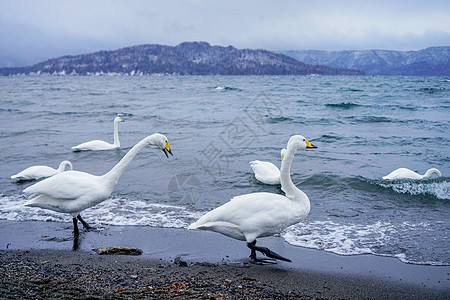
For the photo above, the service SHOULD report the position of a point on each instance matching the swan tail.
(44, 201)
(202, 226)
(36, 200)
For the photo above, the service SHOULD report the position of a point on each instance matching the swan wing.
(65, 185)
(403, 173)
(249, 216)
(35, 172)
(93, 145)
(265, 172)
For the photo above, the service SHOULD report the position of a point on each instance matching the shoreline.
(218, 260)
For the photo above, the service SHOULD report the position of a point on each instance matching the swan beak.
(167, 150)
(309, 145)
(121, 120)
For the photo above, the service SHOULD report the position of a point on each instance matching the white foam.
(115, 211)
(440, 190)
(379, 238)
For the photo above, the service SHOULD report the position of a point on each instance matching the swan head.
(162, 142)
(297, 142)
(118, 119)
(283, 153)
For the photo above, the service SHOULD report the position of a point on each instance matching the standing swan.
(96, 145)
(247, 217)
(266, 172)
(404, 173)
(38, 172)
(73, 191)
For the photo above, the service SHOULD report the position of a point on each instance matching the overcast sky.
(35, 30)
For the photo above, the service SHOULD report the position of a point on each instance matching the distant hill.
(190, 58)
(433, 61)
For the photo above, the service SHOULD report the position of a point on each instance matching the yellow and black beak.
(166, 150)
(309, 145)
(121, 120)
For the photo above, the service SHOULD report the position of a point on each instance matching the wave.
(118, 211)
(351, 90)
(343, 105)
(431, 90)
(226, 88)
(329, 138)
(29, 132)
(279, 120)
(439, 188)
(370, 119)
(378, 238)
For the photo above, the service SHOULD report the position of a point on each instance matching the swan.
(73, 191)
(38, 172)
(266, 172)
(250, 216)
(404, 173)
(96, 145)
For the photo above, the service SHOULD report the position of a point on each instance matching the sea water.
(364, 127)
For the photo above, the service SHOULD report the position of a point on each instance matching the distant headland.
(189, 58)
(201, 58)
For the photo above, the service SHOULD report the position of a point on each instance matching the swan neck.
(62, 166)
(287, 185)
(431, 172)
(116, 133)
(115, 173)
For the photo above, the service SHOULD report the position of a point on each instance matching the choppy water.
(364, 127)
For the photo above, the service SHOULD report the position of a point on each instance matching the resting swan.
(38, 172)
(266, 172)
(73, 191)
(97, 145)
(404, 173)
(250, 216)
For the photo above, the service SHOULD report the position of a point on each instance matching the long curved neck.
(116, 133)
(292, 192)
(113, 176)
(431, 172)
(62, 166)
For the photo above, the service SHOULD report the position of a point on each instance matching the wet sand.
(40, 260)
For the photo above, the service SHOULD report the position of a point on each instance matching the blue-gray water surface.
(364, 128)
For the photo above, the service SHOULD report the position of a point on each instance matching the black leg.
(252, 250)
(85, 225)
(266, 251)
(76, 232)
(75, 243)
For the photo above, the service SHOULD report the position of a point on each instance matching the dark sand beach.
(39, 260)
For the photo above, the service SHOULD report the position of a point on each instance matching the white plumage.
(73, 191)
(266, 172)
(97, 145)
(38, 172)
(250, 216)
(404, 173)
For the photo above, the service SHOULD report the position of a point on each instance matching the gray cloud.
(32, 31)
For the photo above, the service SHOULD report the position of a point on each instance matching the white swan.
(265, 171)
(250, 216)
(38, 172)
(97, 145)
(73, 191)
(404, 173)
